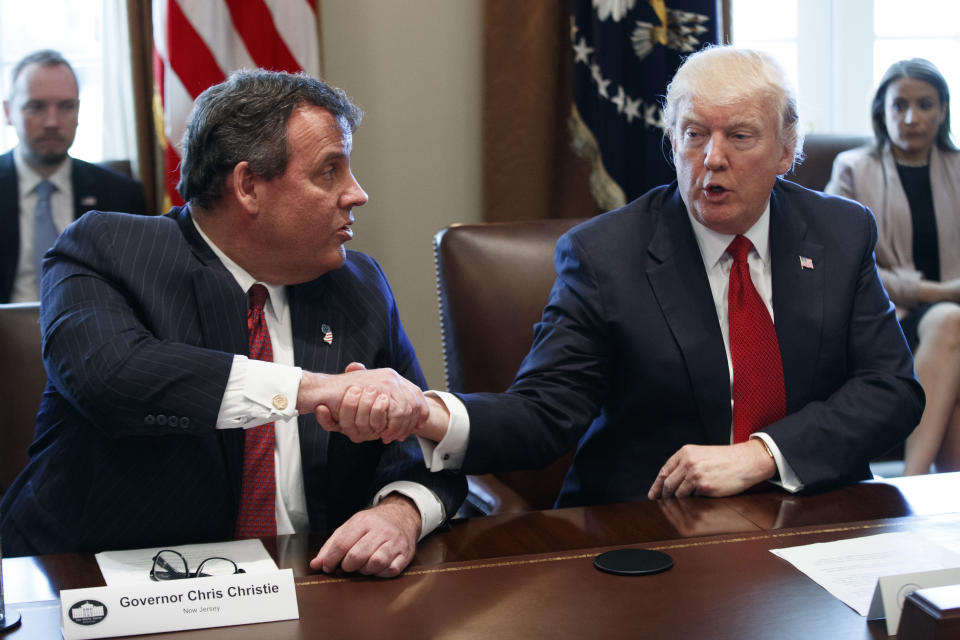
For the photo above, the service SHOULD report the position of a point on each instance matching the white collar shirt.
(718, 263)
(248, 402)
(26, 286)
(248, 399)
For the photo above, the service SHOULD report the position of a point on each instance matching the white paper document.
(944, 533)
(849, 569)
(133, 566)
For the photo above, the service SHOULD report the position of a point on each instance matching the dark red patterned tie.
(758, 394)
(258, 487)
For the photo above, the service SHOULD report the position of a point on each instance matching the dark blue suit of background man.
(43, 108)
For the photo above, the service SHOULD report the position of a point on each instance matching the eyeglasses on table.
(171, 565)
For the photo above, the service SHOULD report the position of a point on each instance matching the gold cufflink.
(279, 402)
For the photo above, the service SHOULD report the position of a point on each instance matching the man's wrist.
(435, 428)
(449, 451)
(768, 463)
(407, 510)
(765, 447)
(307, 391)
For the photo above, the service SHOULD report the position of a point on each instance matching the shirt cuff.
(787, 477)
(428, 504)
(449, 452)
(258, 392)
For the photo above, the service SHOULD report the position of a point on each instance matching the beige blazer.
(872, 180)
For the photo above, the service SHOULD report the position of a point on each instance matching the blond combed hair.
(724, 75)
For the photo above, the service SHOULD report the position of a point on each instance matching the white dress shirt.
(248, 402)
(26, 285)
(449, 452)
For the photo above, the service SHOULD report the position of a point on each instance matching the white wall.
(415, 67)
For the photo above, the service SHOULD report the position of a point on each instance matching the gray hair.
(725, 75)
(244, 118)
(44, 58)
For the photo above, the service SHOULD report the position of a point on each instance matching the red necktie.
(258, 488)
(759, 398)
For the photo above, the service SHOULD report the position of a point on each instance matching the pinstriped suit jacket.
(140, 324)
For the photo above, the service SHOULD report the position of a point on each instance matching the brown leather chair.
(493, 282)
(22, 378)
(821, 149)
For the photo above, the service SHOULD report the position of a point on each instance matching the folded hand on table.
(379, 541)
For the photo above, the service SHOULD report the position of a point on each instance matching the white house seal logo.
(88, 612)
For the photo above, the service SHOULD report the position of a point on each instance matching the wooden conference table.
(531, 575)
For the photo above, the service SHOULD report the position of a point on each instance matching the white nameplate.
(175, 605)
(891, 591)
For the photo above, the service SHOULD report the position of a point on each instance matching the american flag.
(198, 42)
(327, 334)
(806, 263)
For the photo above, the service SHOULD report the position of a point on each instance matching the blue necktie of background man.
(44, 231)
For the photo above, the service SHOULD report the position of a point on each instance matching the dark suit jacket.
(93, 188)
(628, 358)
(140, 322)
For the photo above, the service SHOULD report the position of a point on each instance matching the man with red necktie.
(192, 356)
(726, 330)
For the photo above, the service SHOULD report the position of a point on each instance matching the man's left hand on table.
(379, 541)
(713, 470)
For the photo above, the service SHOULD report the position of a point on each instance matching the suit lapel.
(10, 223)
(797, 296)
(84, 188)
(221, 303)
(680, 284)
(222, 307)
(310, 309)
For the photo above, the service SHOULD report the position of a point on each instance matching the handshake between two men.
(376, 404)
(369, 404)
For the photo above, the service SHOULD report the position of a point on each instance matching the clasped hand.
(364, 404)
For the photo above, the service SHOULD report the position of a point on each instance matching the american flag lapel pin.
(806, 263)
(328, 334)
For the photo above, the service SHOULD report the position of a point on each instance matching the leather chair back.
(493, 282)
(22, 379)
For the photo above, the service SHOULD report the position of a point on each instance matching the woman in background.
(911, 181)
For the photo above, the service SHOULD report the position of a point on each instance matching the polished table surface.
(531, 575)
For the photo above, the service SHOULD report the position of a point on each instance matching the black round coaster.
(10, 620)
(633, 562)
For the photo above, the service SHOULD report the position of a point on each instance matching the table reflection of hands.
(700, 516)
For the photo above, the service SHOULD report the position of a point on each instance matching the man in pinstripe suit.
(145, 344)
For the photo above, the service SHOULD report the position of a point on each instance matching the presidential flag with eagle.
(624, 54)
